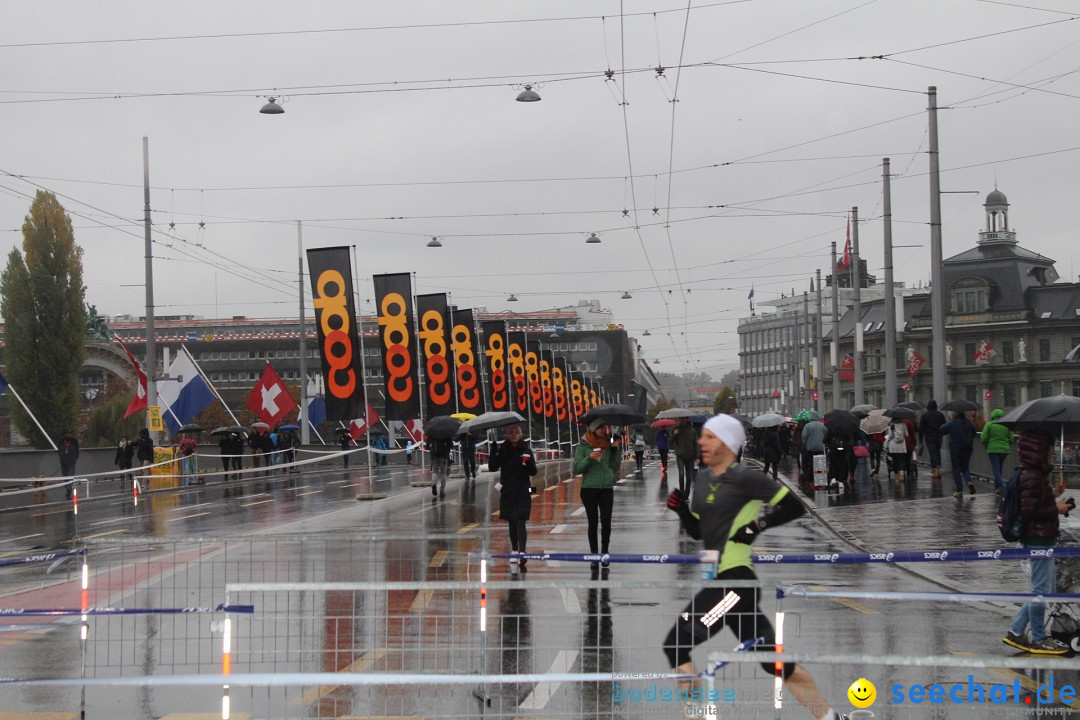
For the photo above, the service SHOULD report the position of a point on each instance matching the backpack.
(1009, 520)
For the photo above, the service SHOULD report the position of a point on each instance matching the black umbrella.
(900, 412)
(191, 428)
(342, 431)
(442, 427)
(614, 415)
(865, 409)
(841, 422)
(747, 423)
(228, 430)
(960, 406)
(1060, 413)
(912, 405)
(489, 421)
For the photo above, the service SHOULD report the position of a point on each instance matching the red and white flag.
(915, 363)
(415, 430)
(139, 401)
(270, 400)
(906, 386)
(989, 394)
(360, 426)
(845, 262)
(984, 354)
(847, 369)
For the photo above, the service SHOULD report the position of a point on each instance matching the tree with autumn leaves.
(41, 292)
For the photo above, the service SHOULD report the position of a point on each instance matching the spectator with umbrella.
(842, 427)
(930, 436)
(663, 442)
(813, 443)
(686, 452)
(874, 425)
(440, 431)
(514, 462)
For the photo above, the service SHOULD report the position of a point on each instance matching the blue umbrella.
(289, 427)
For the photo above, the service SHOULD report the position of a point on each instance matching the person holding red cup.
(514, 461)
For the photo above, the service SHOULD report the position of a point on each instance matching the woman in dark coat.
(514, 461)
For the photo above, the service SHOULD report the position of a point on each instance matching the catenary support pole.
(890, 295)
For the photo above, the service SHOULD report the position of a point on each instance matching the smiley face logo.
(862, 693)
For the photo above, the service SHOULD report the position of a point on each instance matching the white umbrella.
(768, 420)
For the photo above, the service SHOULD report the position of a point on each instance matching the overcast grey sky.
(401, 124)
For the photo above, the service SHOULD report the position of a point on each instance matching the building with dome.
(1009, 322)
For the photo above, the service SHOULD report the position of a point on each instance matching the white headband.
(729, 430)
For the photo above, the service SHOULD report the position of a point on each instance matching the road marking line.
(186, 517)
(355, 484)
(21, 537)
(542, 693)
(199, 716)
(558, 529)
(570, 601)
(438, 560)
(111, 532)
(568, 480)
(260, 502)
(553, 487)
(466, 528)
(420, 602)
(579, 511)
(310, 492)
(361, 664)
(44, 715)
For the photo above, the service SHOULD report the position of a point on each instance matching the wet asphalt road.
(533, 626)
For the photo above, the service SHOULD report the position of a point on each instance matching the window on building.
(1007, 355)
(901, 358)
(232, 377)
(971, 394)
(1009, 395)
(1076, 386)
(215, 356)
(969, 300)
(1044, 350)
(969, 353)
(1046, 389)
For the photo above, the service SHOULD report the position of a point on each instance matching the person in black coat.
(125, 452)
(514, 461)
(468, 454)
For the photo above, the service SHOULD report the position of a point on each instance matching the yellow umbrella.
(463, 416)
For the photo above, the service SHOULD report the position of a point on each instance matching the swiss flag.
(139, 401)
(415, 430)
(359, 426)
(270, 400)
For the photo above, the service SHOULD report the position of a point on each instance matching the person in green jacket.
(998, 440)
(598, 461)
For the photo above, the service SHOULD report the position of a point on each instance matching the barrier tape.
(1037, 598)
(64, 612)
(44, 557)
(907, 556)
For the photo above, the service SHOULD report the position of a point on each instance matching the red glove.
(676, 500)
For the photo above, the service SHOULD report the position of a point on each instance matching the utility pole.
(820, 343)
(305, 423)
(151, 351)
(835, 350)
(890, 296)
(805, 350)
(856, 284)
(937, 290)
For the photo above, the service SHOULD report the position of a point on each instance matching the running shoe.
(971, 487)
(434, 489)
(1020, 642)
(1047, 646)
(958, 494)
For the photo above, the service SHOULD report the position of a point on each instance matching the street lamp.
(271, 108)
(528, 95)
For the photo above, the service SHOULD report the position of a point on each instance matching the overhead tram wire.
(671, 159)
(154, 230)
(374, 28)
(630, 158)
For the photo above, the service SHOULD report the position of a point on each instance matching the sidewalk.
(883, 515)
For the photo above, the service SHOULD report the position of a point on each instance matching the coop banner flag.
(335, 320)
(393, 301)
(466, 362)
(499, 390)
(560, 379)
(435, 350)
(515, 360)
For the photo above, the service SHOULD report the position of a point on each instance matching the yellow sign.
(153, 418)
